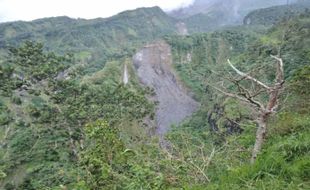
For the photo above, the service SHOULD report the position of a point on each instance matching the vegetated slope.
(153, 64)
(45, 144)
(209, 53)
(273, 15)
(93, 41)
(235, 6)
(42, 117)
(205, 16)
(195, 55)
(284, 160)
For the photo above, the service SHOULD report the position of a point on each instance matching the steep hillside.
(85, 120)
(154, 69)
(205, 16)
(284, 160)
(93, 41)
(273, 15)
(209, 52)
(234, 7)
(42, 116)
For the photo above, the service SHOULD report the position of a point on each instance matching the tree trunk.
(260, 136)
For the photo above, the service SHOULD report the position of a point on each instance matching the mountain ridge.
(204, 16)
(92, 41)
(73, 122)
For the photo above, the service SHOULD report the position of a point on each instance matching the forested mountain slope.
(283, 163)
(273, 15)
(93, 41)
(236, 7)
(68, 121)
(210, 15)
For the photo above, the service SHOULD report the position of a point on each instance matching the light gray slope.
(153, 65)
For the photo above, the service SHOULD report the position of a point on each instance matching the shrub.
(16, 100)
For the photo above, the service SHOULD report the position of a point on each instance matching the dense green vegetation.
(68, 122)
(92, 41)
(284, 163)
(273, 15)
(42, 118)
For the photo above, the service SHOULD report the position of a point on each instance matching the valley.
(146, 99)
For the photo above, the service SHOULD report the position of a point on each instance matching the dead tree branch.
(251, 95)
(248, 77)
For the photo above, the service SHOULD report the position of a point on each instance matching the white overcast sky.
(11, 10)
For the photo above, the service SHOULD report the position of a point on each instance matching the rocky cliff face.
(153, 65)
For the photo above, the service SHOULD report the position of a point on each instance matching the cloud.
(32, 9)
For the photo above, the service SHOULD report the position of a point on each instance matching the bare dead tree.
(264, 108)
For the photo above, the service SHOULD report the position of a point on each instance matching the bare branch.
(280, 70)
(276, 89)
(247, 94)
(246, 76)
(244, 94)
(256, 93)
(248, 100)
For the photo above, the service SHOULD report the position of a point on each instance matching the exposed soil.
(153, 65)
